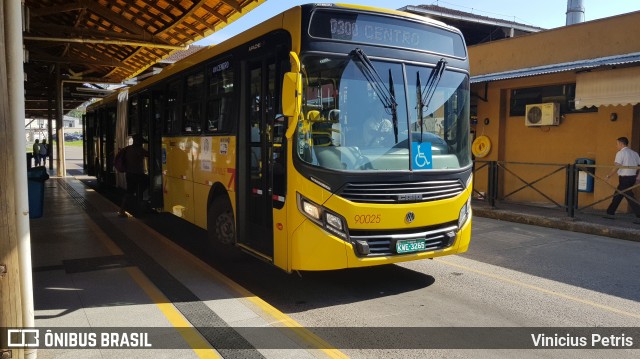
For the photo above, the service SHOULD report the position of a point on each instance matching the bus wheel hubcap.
(224, 228)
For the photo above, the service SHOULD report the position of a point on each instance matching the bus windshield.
(348, 124)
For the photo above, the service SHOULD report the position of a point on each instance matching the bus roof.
(276, 22)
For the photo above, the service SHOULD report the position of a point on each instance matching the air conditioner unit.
(542, 114)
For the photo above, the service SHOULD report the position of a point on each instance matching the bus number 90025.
(367, 218)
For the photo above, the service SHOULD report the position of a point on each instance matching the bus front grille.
(369, 243)
(401, 192)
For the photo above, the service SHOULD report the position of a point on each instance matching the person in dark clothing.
(44, 151)
(36, 152)
(134, 156)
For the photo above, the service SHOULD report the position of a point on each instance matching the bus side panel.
(215, 162)
(296, 184)
(179, 157)
(180, 193)
(178, 177)
(200, 196)
(314, 249)
(280, 240)
(464, 236)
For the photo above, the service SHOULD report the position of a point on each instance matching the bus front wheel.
(220, 223)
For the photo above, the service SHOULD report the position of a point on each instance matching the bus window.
(134, 120)
(191, 115)
(171, 109)
(255, 123)
(219, 98)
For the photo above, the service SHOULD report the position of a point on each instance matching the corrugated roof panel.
(561, 67)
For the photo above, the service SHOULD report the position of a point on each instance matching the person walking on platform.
(36, 152)
(625, 157)
(44, 151)
(134, 155)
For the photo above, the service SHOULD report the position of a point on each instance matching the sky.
(542, 13)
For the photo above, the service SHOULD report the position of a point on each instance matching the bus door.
(155, 150)
(106, 125)
(89, 143)
(262, 106)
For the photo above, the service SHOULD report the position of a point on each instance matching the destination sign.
(388, 31)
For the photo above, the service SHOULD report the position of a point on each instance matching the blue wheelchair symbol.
(422, 155)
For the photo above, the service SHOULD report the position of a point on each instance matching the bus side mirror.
(291, 94)
(292, 88)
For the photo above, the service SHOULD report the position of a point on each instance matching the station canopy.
(101, 42)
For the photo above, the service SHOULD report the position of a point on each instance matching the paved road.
(514, 275)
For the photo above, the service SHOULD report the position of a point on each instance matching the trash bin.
(29, 158)
(35, 181)
(585, 178)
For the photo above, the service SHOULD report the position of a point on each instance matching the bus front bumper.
(314, 249)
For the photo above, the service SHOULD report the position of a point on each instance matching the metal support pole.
(572, 193)
(15, 76)
(50, 130)
(60, 160)
(567, 180)
(492, 181)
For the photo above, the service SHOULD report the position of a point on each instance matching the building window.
(561, 94)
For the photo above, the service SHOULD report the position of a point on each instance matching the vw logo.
(409, 217)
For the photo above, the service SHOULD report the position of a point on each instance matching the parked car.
(72, 137)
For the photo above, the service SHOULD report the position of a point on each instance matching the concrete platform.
(96, 272)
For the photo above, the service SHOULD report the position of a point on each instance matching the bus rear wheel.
(220, 223)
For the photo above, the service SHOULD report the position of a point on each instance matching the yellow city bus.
(327, 137)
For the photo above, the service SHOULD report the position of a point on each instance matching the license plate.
(410, 245)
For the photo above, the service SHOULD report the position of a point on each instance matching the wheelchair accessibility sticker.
(422, 156)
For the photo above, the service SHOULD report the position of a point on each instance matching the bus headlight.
(326, 219)
(464, 213)
(311, 210)
(334, 221)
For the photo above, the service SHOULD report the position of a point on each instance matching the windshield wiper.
(420, 105)
(386, 95)
(432, 83)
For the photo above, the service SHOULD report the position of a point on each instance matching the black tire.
(221, 225)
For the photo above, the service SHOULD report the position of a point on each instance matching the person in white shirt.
(625, 157)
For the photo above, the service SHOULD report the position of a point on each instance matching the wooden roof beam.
(106, 41)
(234, 4)
(94, 7)
(56, 9)
(151, 15)
(193, 28)
(80, 32)
(215, 13)
(204, 22)
(178, 21)
(72, 60)
(115, 18)
(159, 9)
